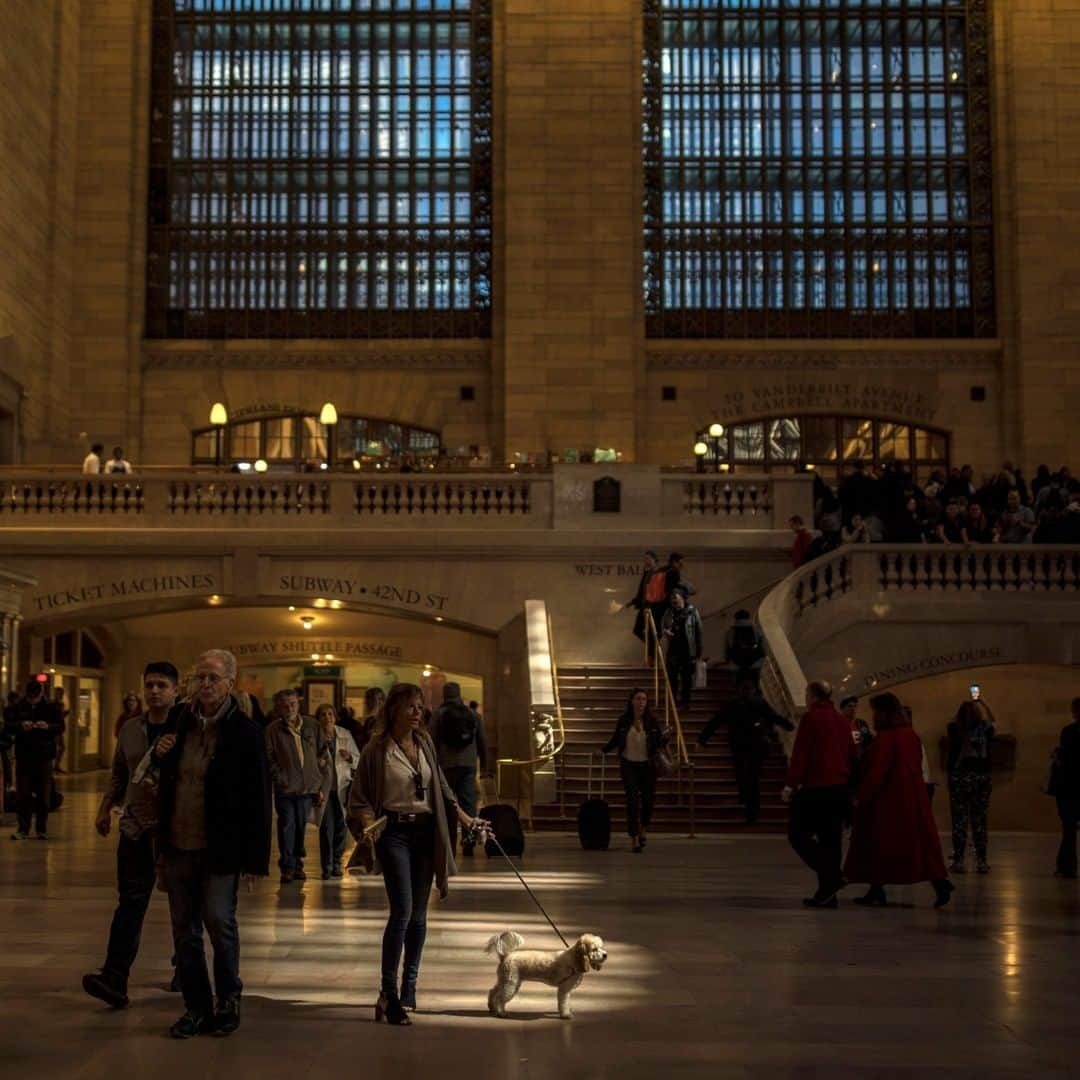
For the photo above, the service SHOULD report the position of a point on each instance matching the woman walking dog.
(399, 778)
(638, 740)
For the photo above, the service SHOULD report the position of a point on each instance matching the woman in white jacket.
(338, 750)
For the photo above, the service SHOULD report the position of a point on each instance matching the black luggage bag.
(506, 825)
(594, 815)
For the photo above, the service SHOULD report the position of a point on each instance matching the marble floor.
(716, 970)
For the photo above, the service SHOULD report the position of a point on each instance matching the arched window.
(831, 444)
(297, 440)
(320, 168)
(817, 169)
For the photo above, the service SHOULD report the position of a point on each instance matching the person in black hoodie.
(215, 817)
(1068, 792)
(750, 724)
(638, 740)
(34, 725)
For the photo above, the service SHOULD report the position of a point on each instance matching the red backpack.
(656, 587)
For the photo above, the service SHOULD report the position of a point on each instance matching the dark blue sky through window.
(817, 168)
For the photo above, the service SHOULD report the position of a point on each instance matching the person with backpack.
(743, 648)
(655, 596)
(750, 724)
(637, 601)
(458, 733)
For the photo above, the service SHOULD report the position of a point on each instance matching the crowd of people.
(885, 503)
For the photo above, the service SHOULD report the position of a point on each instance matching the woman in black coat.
(1068, 792)
(638, 740)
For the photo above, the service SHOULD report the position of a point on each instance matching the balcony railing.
(935, 583)
(647, 499)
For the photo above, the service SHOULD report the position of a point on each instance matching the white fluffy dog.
(563, 970)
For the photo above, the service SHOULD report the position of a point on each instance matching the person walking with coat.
(894, 839)
(750, 724)
(399, 780)
(969, 737)
(1068, 792)
(685, 634)
(638, 740)
(339, 757)
(817, 788)
(33, 725)
(297, 770)
(214, 813)
(638, 601)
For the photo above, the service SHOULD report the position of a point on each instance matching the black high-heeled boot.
(943, 890)
(388, 1007)
(875, 897)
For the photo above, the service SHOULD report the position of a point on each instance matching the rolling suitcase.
(594, 815)
(506, 825)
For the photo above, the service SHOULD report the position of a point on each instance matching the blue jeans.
(332, 832)
(136, 874)
(407, 854)
(199, 898)
(292, 815)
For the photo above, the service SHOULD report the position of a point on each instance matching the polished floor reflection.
(715, 970)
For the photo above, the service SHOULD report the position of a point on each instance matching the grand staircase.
(592, 698)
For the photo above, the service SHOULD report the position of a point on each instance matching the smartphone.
(975, 691)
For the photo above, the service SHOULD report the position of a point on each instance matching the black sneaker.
(299, 875)
(189, 1025)
(336, 871)
(227, 1016)
(106, 988)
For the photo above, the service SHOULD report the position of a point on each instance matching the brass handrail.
(671, 711)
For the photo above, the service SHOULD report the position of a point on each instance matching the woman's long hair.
(889, 713)
(971, 714)
(647, 717)
(374, 700)
(401, 695)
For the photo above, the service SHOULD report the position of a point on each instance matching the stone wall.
(569, 364)
(39, 81)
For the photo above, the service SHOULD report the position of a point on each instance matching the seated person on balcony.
(638, 740)
(817, 788)
(743, 649)
(458, 734)
(1017, 523)
(950, 530)
(909, 527)
(118, 463)
(856, 532)
(977, 529)
(638, 600)
(91, 465)
(750, 724)
(685, 634)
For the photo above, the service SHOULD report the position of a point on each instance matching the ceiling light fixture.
(307, 621)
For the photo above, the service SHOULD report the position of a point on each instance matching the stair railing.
(662, 691)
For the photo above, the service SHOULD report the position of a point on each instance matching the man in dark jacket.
(458, 733)
(34, 725)
(215, 827)
(750, 724)
(1068, 793)
(136, 855)
(817, 788)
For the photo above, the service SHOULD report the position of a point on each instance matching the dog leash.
(495, 840)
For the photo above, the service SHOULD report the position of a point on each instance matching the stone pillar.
(569, 337)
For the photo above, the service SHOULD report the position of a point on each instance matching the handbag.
(1051, 782)
(701, 675)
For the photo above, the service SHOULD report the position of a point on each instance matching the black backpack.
(745, 647)
(457, 725)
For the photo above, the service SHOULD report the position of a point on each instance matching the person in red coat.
(894, 840)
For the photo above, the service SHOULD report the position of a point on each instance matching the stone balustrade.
(970, 593)
(568, 497)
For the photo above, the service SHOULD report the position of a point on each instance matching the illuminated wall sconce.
(307, 621)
